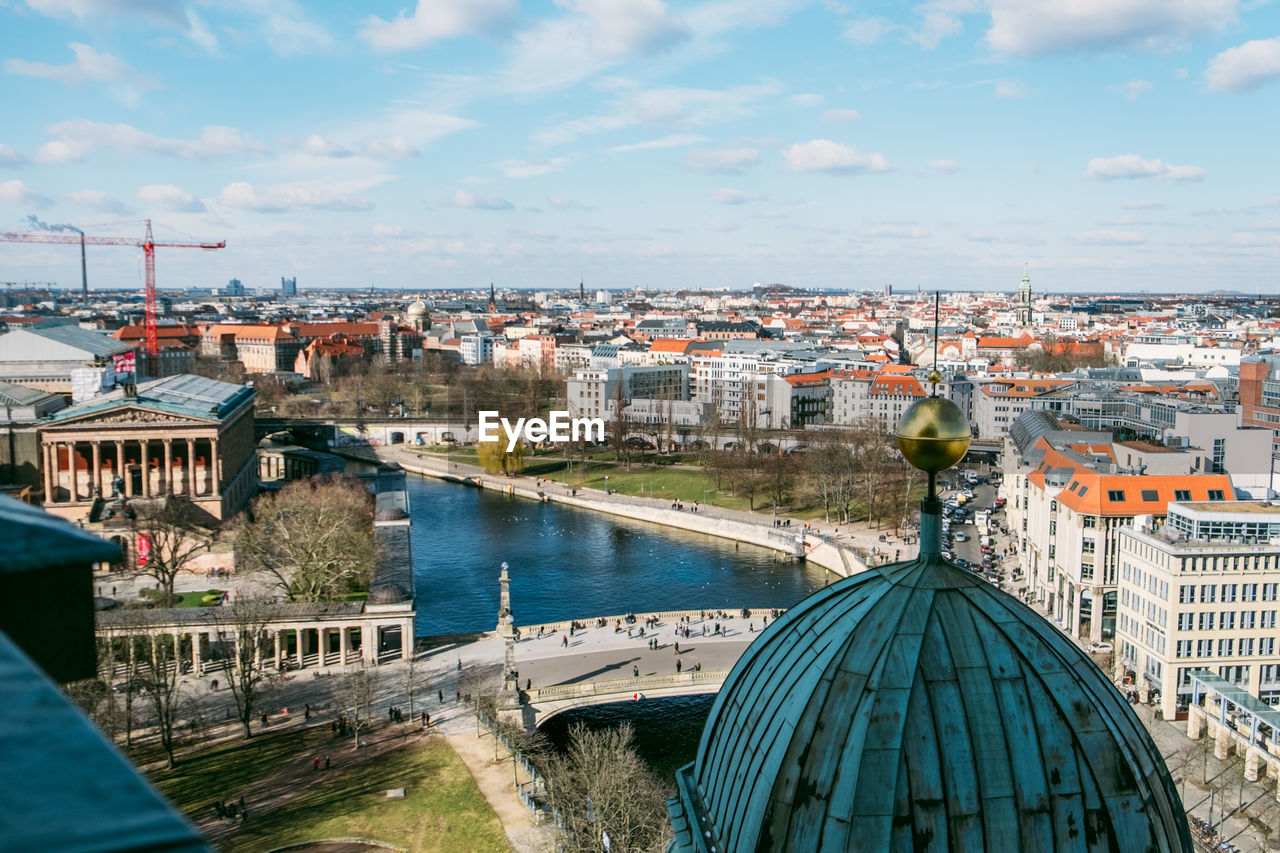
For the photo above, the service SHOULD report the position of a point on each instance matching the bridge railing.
(664, 617)
(583, 689)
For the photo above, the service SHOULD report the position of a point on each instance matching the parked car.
(962, 537)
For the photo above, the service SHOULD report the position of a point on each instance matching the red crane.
(148, 245)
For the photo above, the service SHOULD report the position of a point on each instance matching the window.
(1227, 620)
(1215, 494)
(1266, 645)
(1225, 647)
(1150, 495)
(1187, 593)
(1206, 621)
(1182, 494)
(1090, 522)
(1115, 494)
(1186, 621)
(1248, 619)
(1088, 546)
(1183, 649)
(1083, 489)
(1268, 619)
(1246, 645)
(1204, 648)
(1249, 592)
(1208, 592)
(1228, 592)
(1269, 592)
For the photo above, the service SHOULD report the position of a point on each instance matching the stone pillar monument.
(509, 698)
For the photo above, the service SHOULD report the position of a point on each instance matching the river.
(570, 563)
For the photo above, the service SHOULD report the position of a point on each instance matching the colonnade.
(171, 460)
(296, 647)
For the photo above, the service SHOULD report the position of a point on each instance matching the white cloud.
(170, 11)
(1243, 68)
(1133, 166)
(317, 146)
(628, 27)
(896, 232)
(538, 235)
(806, 99)
(1034, 27)
(865, 31)
(725, 195)
(721, 225)
(533, 168)
(465, 199)
(1108, 237)
(97, 200)
(945, 166)
(11, 156)
(1143, 205)
(940, 19)
(89, 66)
(674, 140)
(672, 105)
(1133, 88)
(1010, 89)
(823, 155)
(729, 161)
(435, 20)
(381, 230)
(278, 199)
(16, 192)
(171, 198)
(567, 204)
(840, 116)
(79, 136)
(396, 147)
(979, 237)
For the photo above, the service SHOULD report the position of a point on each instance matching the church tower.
(493, 300)
(1024, 299)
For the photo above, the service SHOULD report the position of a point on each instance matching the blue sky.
(1114, 145)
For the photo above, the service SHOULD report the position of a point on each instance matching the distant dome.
(388, 593)
(416, 308)
(915, 707)
(391, 513)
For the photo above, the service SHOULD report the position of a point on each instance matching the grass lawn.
(196, 599)
(443, 810)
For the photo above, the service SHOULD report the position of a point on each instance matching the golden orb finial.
(933, 434)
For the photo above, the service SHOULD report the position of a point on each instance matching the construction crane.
(148, 245)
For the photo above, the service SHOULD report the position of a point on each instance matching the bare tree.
(354, 692)
(411, 679)
(159, 676)
(174, 535)
(313, 538)
(601, 787)
(245, 624)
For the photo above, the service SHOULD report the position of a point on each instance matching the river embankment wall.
(788, 543)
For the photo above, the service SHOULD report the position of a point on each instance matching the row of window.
(1209, 592)
(1226, 620)
(1225, 647)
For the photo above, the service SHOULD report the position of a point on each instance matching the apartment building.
(594, 393)
(1200, 591)
(1075, 502)
(997, 404)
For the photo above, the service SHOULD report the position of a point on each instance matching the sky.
(1110, 145)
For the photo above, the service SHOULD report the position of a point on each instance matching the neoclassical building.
(182, 435)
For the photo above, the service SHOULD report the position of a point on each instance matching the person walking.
(677, 666)
(635, 671)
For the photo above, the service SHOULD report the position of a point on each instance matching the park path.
(496, 783)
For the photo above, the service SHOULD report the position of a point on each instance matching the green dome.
(915, 707)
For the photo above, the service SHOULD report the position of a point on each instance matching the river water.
(569, 563)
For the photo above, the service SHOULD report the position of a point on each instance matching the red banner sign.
(124, 362)
(144, 548)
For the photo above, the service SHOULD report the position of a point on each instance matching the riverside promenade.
(842, 549)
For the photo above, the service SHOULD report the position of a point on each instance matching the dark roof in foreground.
(915, 707)
(35, 539)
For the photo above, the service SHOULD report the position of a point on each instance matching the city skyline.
(1117, 146)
